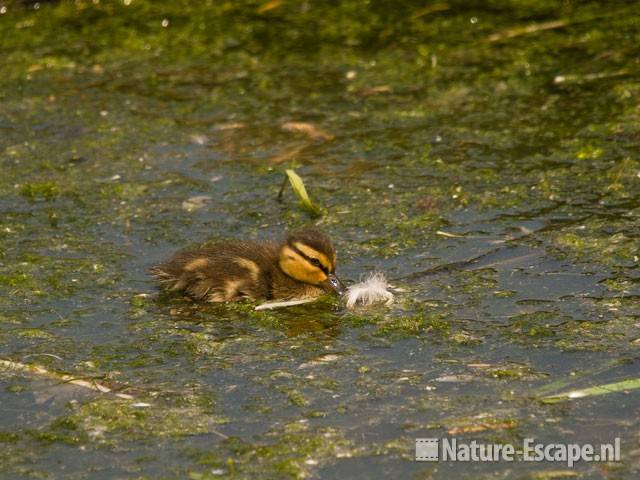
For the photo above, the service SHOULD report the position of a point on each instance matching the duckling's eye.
(316, 262)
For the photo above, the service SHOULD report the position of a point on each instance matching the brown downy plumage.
(301, 266)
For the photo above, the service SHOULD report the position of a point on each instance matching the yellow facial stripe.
(294, 265)
(313, 253)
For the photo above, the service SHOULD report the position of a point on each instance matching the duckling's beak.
(335, 284)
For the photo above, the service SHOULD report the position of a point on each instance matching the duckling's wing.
(220, 272)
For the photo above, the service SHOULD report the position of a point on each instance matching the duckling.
(301, 266)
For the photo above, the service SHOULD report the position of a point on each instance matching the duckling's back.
(222, 272)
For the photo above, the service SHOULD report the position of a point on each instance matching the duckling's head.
(308, 256)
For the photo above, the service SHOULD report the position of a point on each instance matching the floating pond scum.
(484, 156)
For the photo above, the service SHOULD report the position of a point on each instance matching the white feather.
(372, 290)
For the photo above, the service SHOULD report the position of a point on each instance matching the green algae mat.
(484, 155)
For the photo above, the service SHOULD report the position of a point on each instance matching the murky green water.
(522, 147)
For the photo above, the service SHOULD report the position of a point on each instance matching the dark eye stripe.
(311, 261)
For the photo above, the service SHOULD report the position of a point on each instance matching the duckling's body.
(301, 266)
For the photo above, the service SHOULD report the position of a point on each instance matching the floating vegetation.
(301, 192)
(42, 191)
(597, 390)
(307, 128)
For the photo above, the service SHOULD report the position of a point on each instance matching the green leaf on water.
(624, 385)
(582, 375)
(298, 187)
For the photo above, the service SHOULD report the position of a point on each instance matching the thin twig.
(62, 377)
(589, 77)
(285, 181)
(220, 434)
(42, 355)
(533, 28)
(554, 24)
(289, 303)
